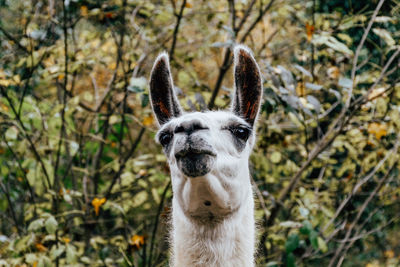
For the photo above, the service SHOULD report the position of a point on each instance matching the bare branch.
(359, 47)
(227, 62)
(176, 30)
(355, 221)
(26, 136)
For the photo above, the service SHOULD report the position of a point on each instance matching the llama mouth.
(195, 163)
(193, 152)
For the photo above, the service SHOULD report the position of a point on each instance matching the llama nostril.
(207, 203)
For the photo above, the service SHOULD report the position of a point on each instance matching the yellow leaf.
(5, 82)
(188, 5)
(310, 31)
(16, 78)
(4, 107)
(84, 11)
(112, 65)
(377, 129)
(333, 72)
(40, 247)
(137, 240)
(97, 203)
(148, 121)
(66, 240)
(389, 254)
(301, 89)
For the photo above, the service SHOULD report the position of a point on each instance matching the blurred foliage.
(82, 181)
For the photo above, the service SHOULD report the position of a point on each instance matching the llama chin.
(208, 153)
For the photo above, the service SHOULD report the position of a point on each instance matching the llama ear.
(248, 85)
(163, 99)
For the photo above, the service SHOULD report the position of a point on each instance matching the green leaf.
(139, 199)
(314, 239)
(290, 260)
(276, 157)
(51, 225)
(145, 100)
(113, 119)
(71, 254)
(332, 42)
(3, 204)
(44, 262)
(127, 178)
(30, 258)
(56, 251)
(385, 35)
(11, 133)
(36, 225)
(322, 245)
(306, 228)
(292, 243)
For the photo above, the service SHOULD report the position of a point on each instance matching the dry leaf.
(301, 89)
(378, 92)
(377, 129)
(84, 11)
(137, 241)
(389, 254)
(97, 203)
(310, 29)
(148, 120)
(40, 247)
(333, 72)
(142, 172)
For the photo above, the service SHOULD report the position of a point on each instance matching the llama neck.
(228, 243)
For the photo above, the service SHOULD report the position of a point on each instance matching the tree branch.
(176, 30)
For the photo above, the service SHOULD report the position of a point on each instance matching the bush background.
(82, 182)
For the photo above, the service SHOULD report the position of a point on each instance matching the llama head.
(208, 151)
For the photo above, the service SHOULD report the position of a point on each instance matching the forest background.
(82, 182)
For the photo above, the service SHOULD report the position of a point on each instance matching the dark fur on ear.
(248, 85)
(163, 100)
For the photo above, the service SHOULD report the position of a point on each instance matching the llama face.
(208, 151)
(196, 141)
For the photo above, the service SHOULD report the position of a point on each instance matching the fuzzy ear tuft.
(163, 99)
(248, 85)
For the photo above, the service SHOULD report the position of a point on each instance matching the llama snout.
(195, 157)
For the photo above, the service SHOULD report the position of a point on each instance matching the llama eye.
(241, 132)
(165, 138)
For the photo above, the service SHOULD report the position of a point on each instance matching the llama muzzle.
(194, 158)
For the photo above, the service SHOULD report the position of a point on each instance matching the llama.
(208, 152)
